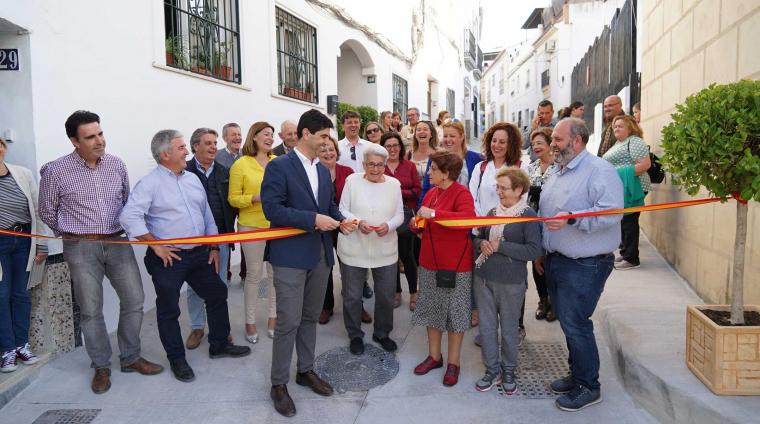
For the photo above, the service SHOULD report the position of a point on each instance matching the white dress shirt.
(310, 166)
(345, 154)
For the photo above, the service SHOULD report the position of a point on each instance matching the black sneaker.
(367, 292)
(579, 398)
(357, 346)
(386, 343)
(563, 385)
(182, 370)
(228, 350)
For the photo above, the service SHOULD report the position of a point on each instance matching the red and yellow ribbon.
(460, 223)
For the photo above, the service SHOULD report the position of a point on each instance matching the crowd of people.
(374, 199)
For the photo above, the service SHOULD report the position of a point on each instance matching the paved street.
(237, 390)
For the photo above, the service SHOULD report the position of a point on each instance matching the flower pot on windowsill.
(298, 94)
(223, 72)
(200, 70)
(169, 59)
(726, 358)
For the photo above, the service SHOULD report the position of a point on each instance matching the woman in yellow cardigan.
(246, 176)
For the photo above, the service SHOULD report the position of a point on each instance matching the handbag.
(445, 279)
(655, 171)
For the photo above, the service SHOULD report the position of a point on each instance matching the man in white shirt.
(352, 146)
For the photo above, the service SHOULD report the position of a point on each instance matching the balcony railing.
(470, 50)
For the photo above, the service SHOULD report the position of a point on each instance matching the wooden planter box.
(726, 359)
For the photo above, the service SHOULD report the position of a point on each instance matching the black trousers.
(540, 281)
(629, 247)
(407, 256)
(195, 269)
(329, 302)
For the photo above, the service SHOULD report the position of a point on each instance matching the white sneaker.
(618, 259)
(26, 356)
(9, 363)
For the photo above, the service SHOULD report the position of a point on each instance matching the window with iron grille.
(450, 101)
(400, 95)
(296, 58)
(203, 37)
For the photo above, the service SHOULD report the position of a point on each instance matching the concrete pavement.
(637, 323)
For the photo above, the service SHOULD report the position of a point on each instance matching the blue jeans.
(575, 286)
(194, 302)
(168, 281)
(15, 306)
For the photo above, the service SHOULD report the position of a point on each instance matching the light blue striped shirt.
(168, 206)
(587, 184)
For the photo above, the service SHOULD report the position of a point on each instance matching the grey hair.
(228, 126)
(195, 139)
(372, 149)
(414, 109)
(577, 128)
(162, 142)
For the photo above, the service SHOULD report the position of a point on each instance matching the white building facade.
(185, 64)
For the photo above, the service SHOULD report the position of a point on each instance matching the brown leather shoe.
(311, 379)
(194, 339)
(143, 367)
(282, 401)
(101, 382)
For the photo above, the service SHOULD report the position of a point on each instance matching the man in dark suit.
(215, 178)
(297, 192)
(289, 138)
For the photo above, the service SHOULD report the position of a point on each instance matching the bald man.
(289, 138)
(613, 107)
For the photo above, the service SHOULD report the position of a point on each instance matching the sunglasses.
(373, 130)
(353, 152)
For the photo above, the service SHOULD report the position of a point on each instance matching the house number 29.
(8, 59)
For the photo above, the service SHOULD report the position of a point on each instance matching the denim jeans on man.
(89, 262)
(201, 276)
(15, 305)
(575, 286)
(195, 308)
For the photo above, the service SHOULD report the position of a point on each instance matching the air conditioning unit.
(550, 46)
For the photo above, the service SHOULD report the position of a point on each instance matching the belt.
(20, 228)
(192, 249)
(94, 236)
(600, 256)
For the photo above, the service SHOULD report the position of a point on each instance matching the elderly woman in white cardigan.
(374, 200)
(18, 212)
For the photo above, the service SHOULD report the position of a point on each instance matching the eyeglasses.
(373, 130)
(374, 165)
(392, 146)
(353, 152)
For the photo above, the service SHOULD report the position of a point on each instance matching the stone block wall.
(689, 44)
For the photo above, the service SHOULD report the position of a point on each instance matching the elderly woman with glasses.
(374, 200)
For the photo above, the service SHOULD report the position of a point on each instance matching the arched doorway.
(357, 83)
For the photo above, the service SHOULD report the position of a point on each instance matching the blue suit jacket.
(287, 201)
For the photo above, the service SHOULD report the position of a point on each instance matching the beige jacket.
(26, 182)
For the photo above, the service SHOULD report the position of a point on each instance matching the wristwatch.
(571, 221)
(432, 214)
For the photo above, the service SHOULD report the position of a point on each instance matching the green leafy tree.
(368, 113)
(714, 142)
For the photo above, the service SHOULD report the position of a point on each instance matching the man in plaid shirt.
(81, 197)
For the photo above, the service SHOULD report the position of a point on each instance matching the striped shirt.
(77, 199)
(14, 206)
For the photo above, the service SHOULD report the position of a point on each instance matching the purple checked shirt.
(77, 199)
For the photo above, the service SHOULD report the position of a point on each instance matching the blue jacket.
(287, 201)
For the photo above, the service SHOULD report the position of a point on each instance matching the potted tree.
(714, 142)
(176, 53)
(221, 62)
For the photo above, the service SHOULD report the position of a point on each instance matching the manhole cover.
(538, 365)
(67, 416)
(348, 372)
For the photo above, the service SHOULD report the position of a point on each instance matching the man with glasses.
(613, 107)
(407, 133)
(352, 146)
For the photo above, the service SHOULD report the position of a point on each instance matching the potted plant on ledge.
(714, 142)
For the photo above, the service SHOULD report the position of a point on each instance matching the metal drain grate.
(538, 365)
(67, 416)
(348, 372)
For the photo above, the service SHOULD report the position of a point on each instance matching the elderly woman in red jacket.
(445, 266)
